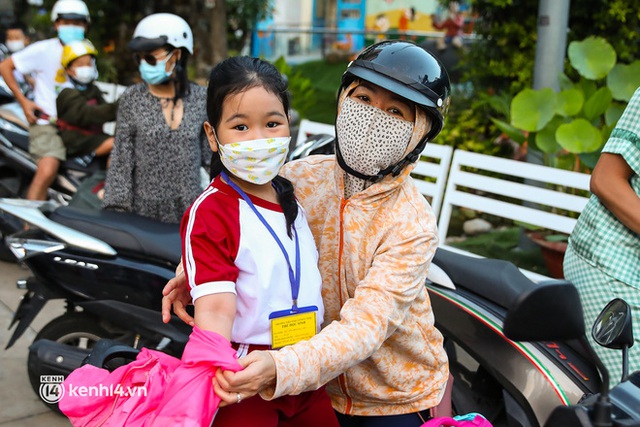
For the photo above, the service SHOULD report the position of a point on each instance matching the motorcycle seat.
(125, 231)
(498, 281)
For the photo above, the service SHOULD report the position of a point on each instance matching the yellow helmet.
(77, 49)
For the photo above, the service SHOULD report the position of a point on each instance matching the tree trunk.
(218, 33)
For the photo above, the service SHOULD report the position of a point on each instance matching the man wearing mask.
(42, 60)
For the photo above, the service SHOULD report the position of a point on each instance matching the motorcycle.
(517, 350)
(17, 165)
(109, 267)
(314, 144)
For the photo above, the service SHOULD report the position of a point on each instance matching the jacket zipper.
(341, 379)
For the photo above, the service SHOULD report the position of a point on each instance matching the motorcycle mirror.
(612, 328)
(562, 319)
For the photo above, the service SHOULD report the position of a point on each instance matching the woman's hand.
(176, 293)
(259, 373)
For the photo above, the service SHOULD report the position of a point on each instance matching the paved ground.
(19, 405)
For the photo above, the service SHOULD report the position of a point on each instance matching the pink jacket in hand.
(155, 390)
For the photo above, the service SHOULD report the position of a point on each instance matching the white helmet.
(70, 9)
(159, 29)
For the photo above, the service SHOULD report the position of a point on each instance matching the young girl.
(249, 256)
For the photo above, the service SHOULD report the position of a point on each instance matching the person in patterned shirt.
(160, 146)
(604, 247)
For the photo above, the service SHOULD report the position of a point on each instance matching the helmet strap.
(408, 159)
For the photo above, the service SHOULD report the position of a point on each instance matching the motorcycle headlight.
(24, 247)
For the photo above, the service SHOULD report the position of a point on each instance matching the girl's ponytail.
(287, 201)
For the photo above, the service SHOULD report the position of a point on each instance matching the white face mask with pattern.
(256, 161)
(370, 139)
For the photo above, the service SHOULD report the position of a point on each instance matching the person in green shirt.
(82, 110)
(603, 256)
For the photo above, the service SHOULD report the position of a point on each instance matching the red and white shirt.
(226, 248)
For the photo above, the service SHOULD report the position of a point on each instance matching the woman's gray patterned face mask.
(370, 139)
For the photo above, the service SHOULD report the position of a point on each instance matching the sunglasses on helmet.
(149, 58)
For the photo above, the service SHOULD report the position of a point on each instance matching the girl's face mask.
(70, 33)
(256, 161)
(156, 74)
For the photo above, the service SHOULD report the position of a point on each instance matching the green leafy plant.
(570, 127)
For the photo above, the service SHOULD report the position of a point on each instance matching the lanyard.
(293, 279)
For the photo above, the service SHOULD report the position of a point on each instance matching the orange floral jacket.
(379, 350)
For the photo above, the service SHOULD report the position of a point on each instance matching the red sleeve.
(210, 232)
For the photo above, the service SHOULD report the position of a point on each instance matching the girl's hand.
(175, 293)
(259, 373)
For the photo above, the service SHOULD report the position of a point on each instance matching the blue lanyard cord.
(293, 279)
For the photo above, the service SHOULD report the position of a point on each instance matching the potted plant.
(552, 247)
(567, 129)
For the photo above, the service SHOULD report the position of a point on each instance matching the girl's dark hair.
(238, 74)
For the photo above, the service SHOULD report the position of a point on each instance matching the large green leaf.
(512, 132)
(569, 102)
(545, 140)
(588, 87)
(598, 103)
(623, 80)
(579, 136)
(532, 109)
(592, 57)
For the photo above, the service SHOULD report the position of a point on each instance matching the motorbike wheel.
(75, 329)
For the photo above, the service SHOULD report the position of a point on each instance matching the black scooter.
(109, 268)
(517, 349)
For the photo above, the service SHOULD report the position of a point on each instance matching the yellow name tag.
(287, 330)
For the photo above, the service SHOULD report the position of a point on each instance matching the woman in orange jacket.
(379, 352)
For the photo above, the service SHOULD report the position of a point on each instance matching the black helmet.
(407, 70)
(411, 72)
